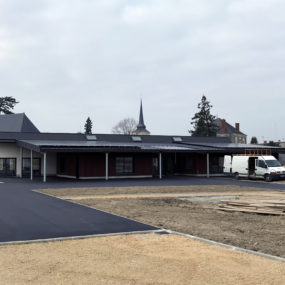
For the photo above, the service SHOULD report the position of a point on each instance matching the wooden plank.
(272, 204)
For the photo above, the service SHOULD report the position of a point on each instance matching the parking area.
(133, 258)
(26, 215)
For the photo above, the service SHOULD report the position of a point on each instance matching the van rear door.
(227, 164)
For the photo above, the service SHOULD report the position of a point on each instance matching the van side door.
(261, 168)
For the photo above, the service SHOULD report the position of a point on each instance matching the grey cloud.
(66, 60)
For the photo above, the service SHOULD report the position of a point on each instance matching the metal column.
(45, 168)
(160, 166)
(107, 166)
(31, 167)
(208, 165)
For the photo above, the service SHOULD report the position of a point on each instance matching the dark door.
(7, 167)
(169, 165)
(77, 167)
(155, 167)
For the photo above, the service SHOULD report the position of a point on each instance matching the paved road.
(27, 215)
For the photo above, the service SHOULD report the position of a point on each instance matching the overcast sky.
(69, 59)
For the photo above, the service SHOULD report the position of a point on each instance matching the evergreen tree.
(88, 126)
(203, 122)
(7, 104)
(254, 140)
(272, 143)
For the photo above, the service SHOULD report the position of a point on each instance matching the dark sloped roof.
(229, 128)
(161, 138)
(112, 138)
(18, 123)
(106, 146)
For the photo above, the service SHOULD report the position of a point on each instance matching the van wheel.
(267, 178)
(236, 175)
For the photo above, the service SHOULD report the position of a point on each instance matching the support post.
(31, 166)
(160, 166)
(21, 162)
(45, 168)
(208, 165)
(107, 166)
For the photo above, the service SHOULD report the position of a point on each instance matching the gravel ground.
(135, 259)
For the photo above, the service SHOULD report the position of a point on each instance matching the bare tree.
(126, 126)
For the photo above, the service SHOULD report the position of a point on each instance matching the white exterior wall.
(51, 164)
(11, 150)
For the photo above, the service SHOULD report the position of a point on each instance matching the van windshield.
(273, 163)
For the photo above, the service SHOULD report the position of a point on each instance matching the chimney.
(237, 126)
(265, 143)
(223, 126)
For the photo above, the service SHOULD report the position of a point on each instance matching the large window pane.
(124, 165)
(1, 164)
(26, 167)
(8, 166)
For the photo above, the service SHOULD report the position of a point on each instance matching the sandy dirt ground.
(135, 259)
(262, 233)
(162, 207)
(63, 192)
(173, 195)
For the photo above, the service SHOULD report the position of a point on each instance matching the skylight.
(136, 138)
(177, 139)
(91, 137)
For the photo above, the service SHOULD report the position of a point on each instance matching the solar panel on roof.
(177, 139)
(91, 137)
(136, 138)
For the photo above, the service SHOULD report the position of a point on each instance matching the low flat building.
(26, 152)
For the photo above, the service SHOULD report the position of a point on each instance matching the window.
(124, 165)
(136, 138)
(7, 166)
(273, 163)
(26, 167)
(177, 139)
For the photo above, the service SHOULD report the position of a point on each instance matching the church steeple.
(141, 121)
(141, 129)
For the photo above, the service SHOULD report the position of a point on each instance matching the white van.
(266, 167)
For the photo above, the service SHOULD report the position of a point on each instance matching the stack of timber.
(267, 204)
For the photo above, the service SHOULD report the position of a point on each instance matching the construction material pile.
(267, 204)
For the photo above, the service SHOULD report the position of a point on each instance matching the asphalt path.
(28, 215)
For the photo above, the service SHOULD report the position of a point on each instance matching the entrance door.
(169, 165)
(155, 167)
(7, 167)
